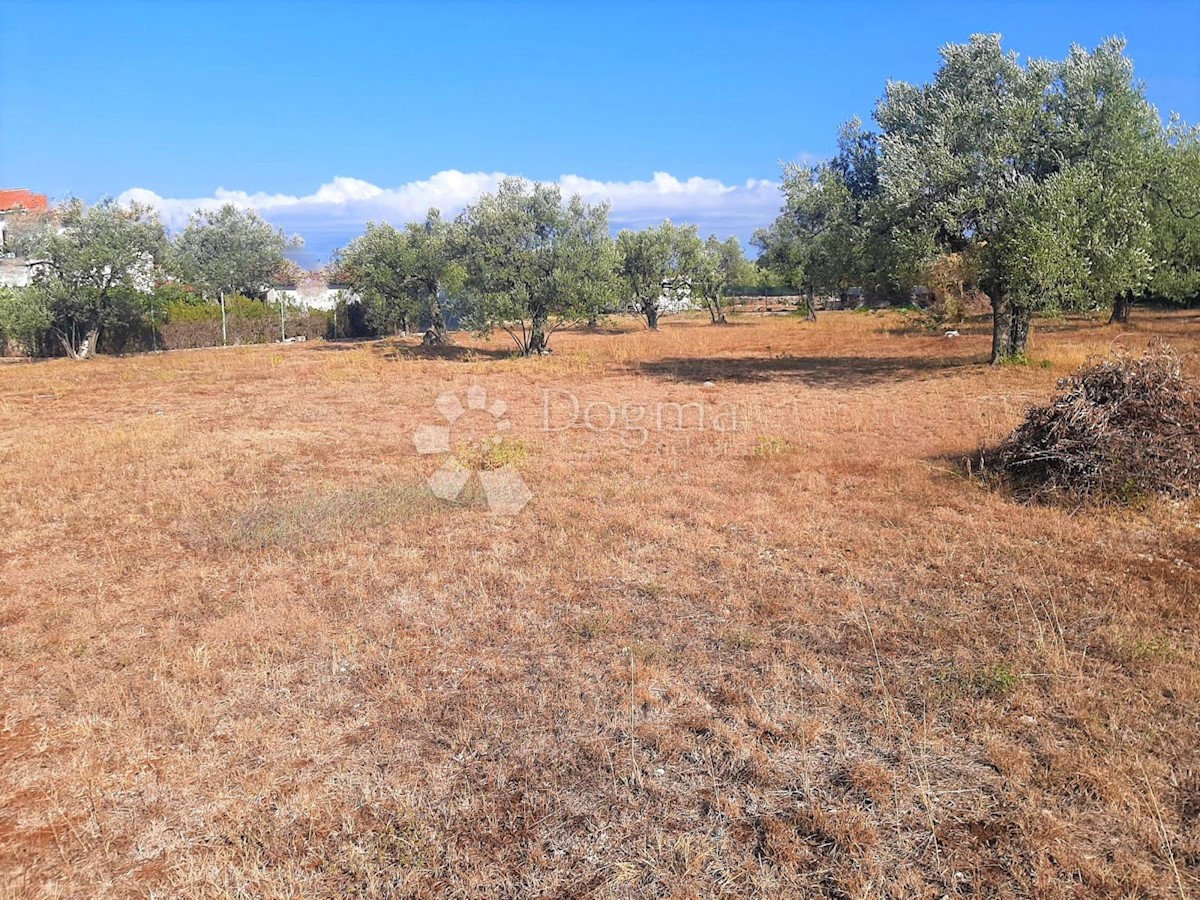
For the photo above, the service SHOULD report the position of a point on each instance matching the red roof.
(20, 198)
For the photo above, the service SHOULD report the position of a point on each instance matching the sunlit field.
(761, 630)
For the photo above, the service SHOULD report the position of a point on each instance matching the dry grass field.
(790, 650)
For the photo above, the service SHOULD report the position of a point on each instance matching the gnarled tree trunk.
(1121, 307)
(650, 311)
(538, 338)
(1002, 326)
(1010, 328)
(438, 334)
(86, 348)
(1022, 317)
(810, 307)
(715, 310)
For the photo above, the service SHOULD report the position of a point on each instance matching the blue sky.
(325, 114)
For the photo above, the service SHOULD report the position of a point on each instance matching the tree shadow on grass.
(833, 372)
(923, 326)
(338, 345)
(453, 352)
(391, 349)
(743, 320)
(606, 326)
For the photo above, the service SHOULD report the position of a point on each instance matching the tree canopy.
(229, 251)
(719, 265)
(1051, 182)
(645, 260)
(406, 275)
(1044, 184)
(826, 237)
(528, 258)
(1033, 169)
(1173, 186)
(94, 270)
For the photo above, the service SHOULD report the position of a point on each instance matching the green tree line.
(526, 261)
(523, 260)
(1047, 185)
(1050, 185)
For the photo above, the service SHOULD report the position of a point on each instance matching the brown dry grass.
(243, 652)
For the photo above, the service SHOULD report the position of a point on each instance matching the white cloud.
(336, 211)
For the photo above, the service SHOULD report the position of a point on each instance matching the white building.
(676, 299)
(312, 291)
(16, 272)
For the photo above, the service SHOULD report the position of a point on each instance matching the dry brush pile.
(1121, 428)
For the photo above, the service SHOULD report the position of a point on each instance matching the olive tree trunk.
(715, 310)
(86, 348)
(538, 338)
(438, 334)
(1121, 308)
(1002, 315)
(1010, 329)
(650, 311)
(1022, 318)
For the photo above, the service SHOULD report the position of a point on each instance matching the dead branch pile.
(1122, 428)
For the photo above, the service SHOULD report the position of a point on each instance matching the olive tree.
(403, 275)
(433, 269)
(645, 261)
(672, 260)
(1173, 189)
(229, 251)
(93, 271)
(1030, 168)
(526, 256)
(827, 236)
(587, 276)
(27, 232)
(719, 264)
(375, 264)
(806, 244)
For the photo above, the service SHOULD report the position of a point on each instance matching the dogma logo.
(504, 488)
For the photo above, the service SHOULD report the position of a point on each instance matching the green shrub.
(245, 308)
(186, 309)
(187, 312)
(173, 293)
(24, 319)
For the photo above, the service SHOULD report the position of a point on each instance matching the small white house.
(312, 291)
(676, 299)
(17, 272)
